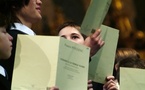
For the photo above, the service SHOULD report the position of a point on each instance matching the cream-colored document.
(45, 61)
(95, 15)
(102, 63)
(132, 79)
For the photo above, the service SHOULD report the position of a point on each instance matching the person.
(24, 13)
(5, 38)
(127, 57)
(22, 20)
(5, 43)
(123, 53)
(5, 52)
(71, 31)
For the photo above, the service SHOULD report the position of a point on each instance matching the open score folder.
(45, 61)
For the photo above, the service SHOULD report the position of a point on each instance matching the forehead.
(68, 30)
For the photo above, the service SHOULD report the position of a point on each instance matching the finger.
(100, 42)
(90, 89)
(110, 78)
(113, 88)
(97, 38)
(90, 85)
(97, 32)
(89, 81)
(107, 83)
(52, 88)
(111, 85)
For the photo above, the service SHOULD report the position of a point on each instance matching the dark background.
(126, 15)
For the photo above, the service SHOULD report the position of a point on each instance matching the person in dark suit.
(24, 14)
(5, 43)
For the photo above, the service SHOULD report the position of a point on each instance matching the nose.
(39, 2)
(68, 38)
(10, 37)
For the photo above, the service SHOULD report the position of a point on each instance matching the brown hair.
(66, 24)
(127, 57)
(4, 13)
(70, 24)
(123, 53)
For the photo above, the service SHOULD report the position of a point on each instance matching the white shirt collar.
(22, 28)
(2, 71)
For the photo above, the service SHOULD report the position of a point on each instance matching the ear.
(116, 66)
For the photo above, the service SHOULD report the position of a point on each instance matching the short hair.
(132, 63)
(70, 24)
(123, 53)
(125, 57)
(66, 24)
(4, 13)
(17, 5)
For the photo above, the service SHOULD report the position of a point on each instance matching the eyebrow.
(76, 34)
(63, 36)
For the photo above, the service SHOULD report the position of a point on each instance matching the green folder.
(132, 79)
(102, 63)
(45, 61)
(95, 15)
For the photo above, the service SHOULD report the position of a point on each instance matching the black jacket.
(9, 64)
(4, 83)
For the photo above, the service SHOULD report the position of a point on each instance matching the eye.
(4, 31)
(75, 37)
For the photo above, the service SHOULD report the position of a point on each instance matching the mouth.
(38, 9)
(11, 45)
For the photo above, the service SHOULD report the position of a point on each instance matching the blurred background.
(126, 15)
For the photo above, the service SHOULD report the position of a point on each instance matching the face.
(31, 12)
(72, 34)
(5, 44)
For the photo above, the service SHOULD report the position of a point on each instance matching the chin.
(8, 55)
(38, 18)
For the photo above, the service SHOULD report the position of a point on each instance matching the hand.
(94, 41)
(90, 85)
(52, 88)
(111, 84)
